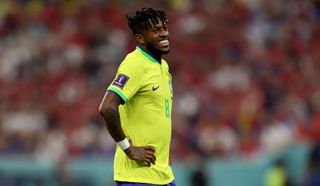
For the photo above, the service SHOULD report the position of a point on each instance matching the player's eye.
(156, 30)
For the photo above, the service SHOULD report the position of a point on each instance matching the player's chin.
(165, 50)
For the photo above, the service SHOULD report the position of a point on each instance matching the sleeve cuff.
(122, 96)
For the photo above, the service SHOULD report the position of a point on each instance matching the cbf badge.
(170, 85)
(120, 81)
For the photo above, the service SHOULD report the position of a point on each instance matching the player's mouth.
(164, 43)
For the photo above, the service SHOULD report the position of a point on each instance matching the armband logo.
(120, 81)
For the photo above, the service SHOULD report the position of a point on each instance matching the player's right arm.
(110, 113)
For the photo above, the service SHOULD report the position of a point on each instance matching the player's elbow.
(103, 109)
(107, 110)
(109, 104)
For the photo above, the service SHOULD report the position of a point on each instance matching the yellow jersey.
(145, 87)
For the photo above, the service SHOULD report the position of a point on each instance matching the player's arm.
(110, 113)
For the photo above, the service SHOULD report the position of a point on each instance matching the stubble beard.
(156, 51)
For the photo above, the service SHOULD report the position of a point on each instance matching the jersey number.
(166, 104)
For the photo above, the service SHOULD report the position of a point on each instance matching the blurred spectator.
(277, 175)
(313, 175)
(199, 176)
(275, 136)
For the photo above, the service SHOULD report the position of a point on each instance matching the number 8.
(166, 103)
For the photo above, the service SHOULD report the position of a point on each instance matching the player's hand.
(141, 153)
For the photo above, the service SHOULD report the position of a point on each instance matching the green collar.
(147, 55)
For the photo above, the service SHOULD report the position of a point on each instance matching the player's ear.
(140, 39)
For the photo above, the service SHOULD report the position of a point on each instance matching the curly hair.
(143, 19)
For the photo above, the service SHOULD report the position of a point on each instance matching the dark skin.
(151, 41)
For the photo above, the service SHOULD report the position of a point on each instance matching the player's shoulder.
(166, 67)
(132, 61)
(165, 64)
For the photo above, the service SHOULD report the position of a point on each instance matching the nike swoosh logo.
(155, 88)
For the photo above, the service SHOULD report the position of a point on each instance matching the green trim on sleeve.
(123, 97)
(147, 55)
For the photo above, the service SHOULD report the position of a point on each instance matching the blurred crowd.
(246, 75)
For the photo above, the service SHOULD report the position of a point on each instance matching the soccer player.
(137, 105)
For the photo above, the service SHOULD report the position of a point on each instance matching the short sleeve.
(128, 80)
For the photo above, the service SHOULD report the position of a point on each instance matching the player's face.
(157, 38)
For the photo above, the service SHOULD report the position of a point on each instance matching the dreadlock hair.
(143, 19)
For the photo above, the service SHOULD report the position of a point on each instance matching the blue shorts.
(173, 183)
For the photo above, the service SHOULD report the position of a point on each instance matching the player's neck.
(153, 54)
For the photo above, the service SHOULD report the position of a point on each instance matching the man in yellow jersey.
(137, 105)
